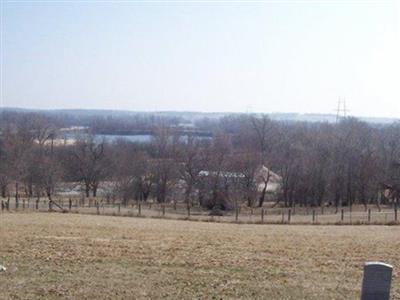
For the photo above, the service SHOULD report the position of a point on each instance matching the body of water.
(137, 138)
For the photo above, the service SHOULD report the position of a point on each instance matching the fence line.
(240, 214)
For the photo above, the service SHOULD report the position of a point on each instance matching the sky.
(235, 56)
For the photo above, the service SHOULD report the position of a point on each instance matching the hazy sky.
(262, 56)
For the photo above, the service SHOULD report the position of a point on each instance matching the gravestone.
(376, 281)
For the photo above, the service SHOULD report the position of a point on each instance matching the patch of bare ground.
(84, 257)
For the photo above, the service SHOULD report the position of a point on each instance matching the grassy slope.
(80, 256)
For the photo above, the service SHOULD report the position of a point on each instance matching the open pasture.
(78, 256)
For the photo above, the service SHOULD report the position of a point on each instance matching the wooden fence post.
(70, 204)
(262, 215)
(97, 207)
(237, 213)
(289, 215)
(342, 215)
(395, 212)
(369, 215)
(163, 209)
(313, 216)
(139, 208)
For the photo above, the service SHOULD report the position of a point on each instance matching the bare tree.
(89, 162)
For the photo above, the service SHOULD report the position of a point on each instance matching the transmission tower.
(341, 110)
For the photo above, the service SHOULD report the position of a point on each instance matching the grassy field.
(53, 255)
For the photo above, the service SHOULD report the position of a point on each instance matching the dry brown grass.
(74, 256)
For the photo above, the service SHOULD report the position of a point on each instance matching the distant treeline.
(320, 163)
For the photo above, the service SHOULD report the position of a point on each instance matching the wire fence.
(357, 215)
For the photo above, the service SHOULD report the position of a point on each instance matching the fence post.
(188, 211)
(237, 213)
(369, 215)
(262, 215)
(283, 217)
(139, 208)
(289, 215)
(98, 207)
(342, 215)
(313, 216)
(70, 204)
(119, 208)
(2, 205)
(163, 209)
(395, 212)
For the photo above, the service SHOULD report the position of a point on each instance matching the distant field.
(53, 255)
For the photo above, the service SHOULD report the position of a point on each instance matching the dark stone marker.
(376, 281)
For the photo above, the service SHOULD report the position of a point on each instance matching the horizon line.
(190, 111)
